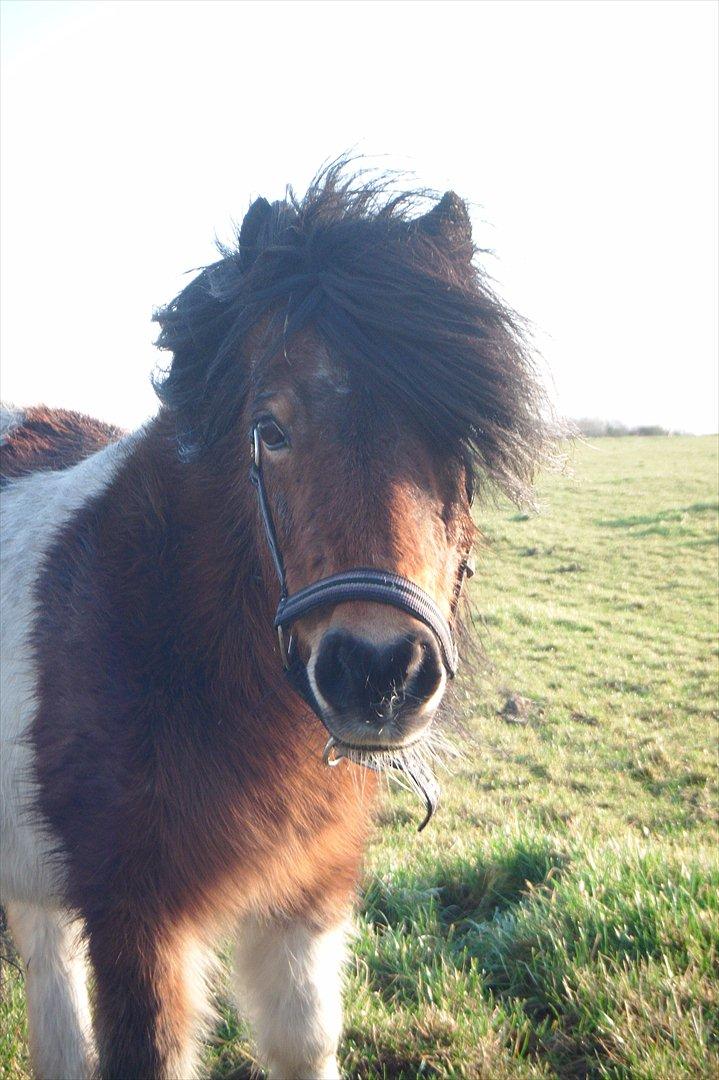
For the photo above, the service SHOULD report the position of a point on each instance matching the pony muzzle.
(376, 694)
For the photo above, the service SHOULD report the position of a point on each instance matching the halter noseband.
(379, 586)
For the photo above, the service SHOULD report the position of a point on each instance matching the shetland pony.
(162, 782)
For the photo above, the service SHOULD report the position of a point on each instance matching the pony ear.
(255, 222)
(449, 222)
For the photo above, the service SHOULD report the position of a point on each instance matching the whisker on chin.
(409, 767)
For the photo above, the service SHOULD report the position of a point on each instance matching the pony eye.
(272, 434)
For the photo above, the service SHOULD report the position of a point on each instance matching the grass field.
(559, 917)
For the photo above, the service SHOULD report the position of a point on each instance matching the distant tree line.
(594, 429)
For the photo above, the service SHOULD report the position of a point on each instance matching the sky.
(582, 134)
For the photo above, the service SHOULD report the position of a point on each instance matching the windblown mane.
(400, 301)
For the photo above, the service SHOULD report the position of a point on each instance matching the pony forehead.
(303, 365)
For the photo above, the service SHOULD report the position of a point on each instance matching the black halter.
(380, 586)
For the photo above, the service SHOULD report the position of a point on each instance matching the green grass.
(559, 916)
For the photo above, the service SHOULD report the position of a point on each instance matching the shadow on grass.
(677, 513)
(245, 1070)
(462, 890)
(536, 950)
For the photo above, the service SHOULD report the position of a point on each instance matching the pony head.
(385, 382)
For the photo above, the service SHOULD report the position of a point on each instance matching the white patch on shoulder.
(10, 418)
(32, 511)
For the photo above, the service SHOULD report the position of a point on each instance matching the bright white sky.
(583, 134)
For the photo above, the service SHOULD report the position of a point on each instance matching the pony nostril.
(391, 666)
(334, 670)
(353, 673)
(425, 678)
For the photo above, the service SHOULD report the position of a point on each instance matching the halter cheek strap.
(378, 586)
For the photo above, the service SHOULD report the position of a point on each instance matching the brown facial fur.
(356, 489)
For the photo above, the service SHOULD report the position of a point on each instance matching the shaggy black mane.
(395, 295)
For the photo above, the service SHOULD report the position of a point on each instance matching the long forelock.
(414, 319)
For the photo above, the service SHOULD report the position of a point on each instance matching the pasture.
(559, 916)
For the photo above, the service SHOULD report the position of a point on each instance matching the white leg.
(55, 984)
(289, 980)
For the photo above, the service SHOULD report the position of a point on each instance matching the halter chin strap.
(379, 586)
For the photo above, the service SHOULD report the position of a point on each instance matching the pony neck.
(211, 564)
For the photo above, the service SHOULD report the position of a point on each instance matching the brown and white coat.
(149, 810)
(161, 783)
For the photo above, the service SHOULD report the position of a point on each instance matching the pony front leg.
(289, 982)
(51, 947)
(150, 997)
